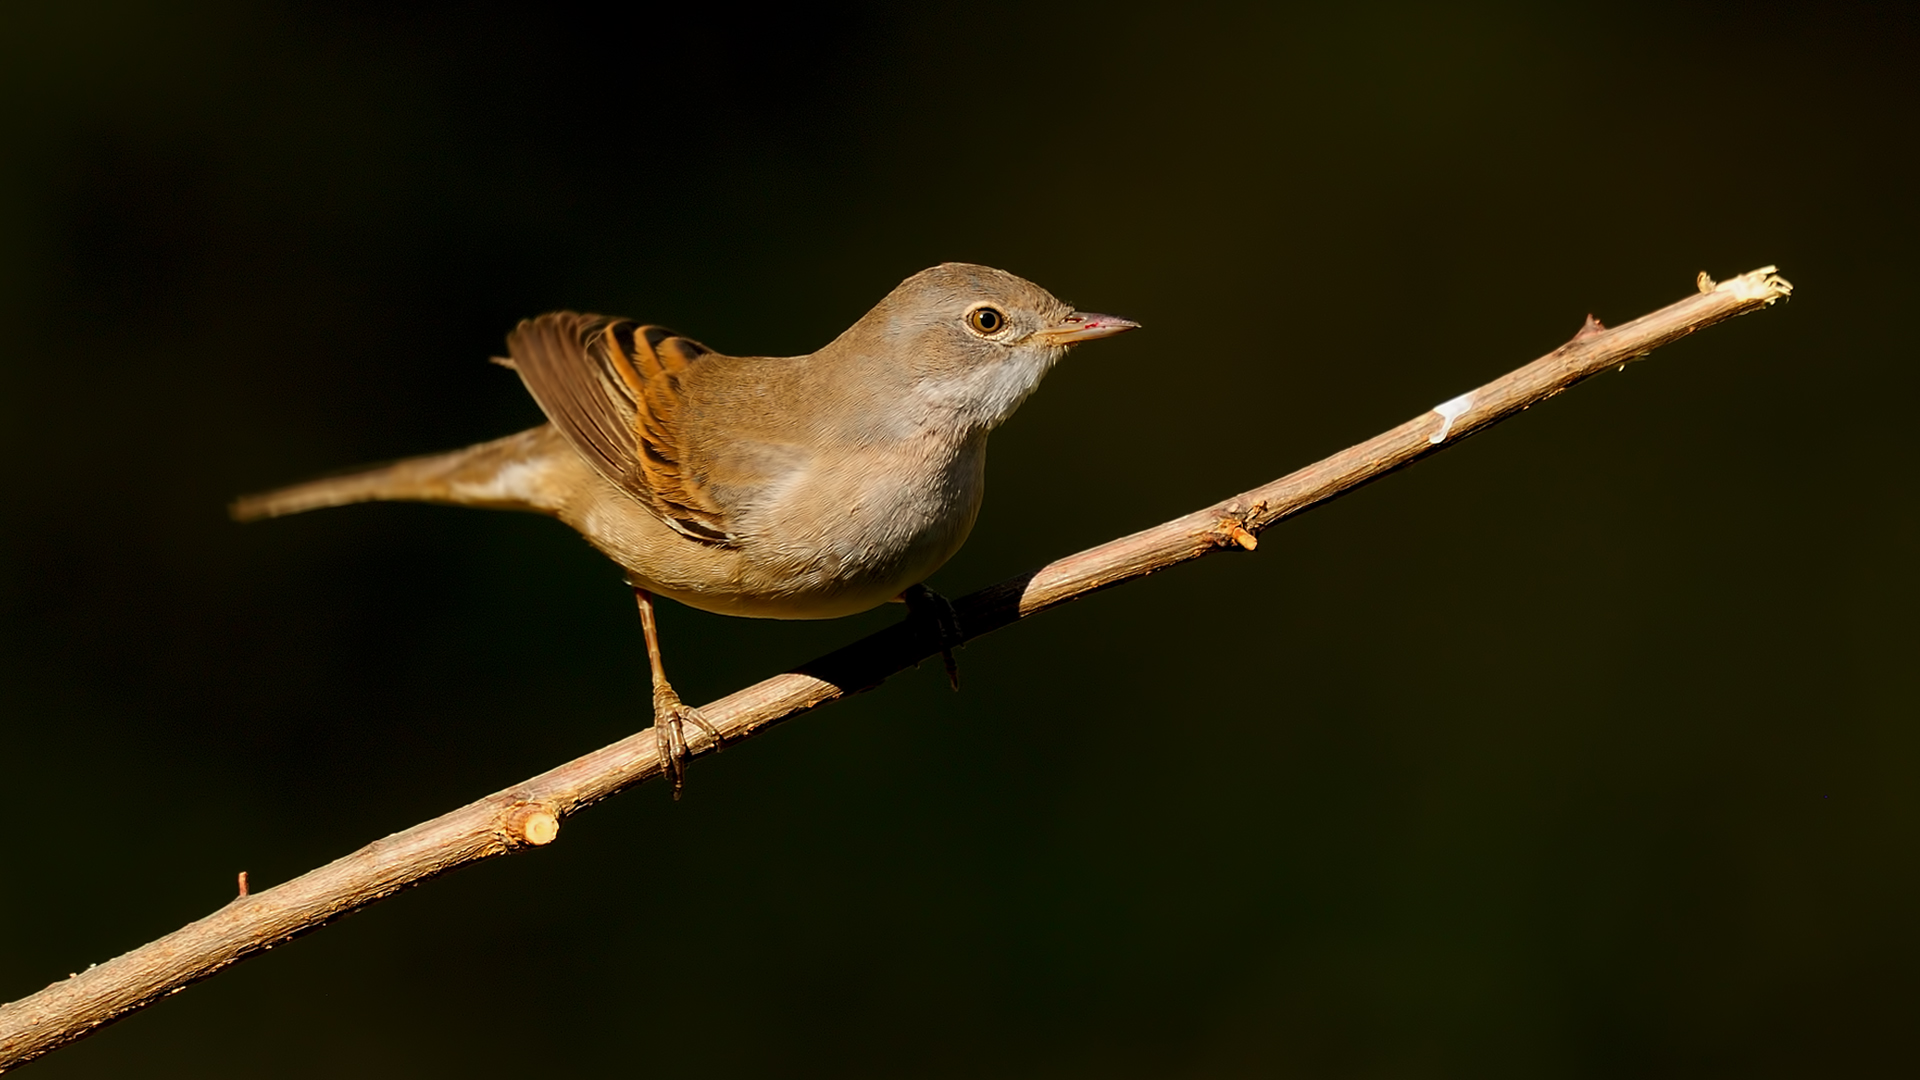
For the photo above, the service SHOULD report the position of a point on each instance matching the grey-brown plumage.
(800, 487)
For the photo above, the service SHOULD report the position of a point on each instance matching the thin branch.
(528, 814)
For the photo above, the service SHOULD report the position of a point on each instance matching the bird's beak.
(1085, 326)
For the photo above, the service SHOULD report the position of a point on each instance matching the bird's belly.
(849, 544)
(863, 544)
(851, 573)
(751, 603)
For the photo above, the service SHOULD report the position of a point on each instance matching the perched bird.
(800, 487)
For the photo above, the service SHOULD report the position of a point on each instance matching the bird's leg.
(670, 714)
(937, 611)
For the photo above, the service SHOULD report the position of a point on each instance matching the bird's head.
(970, 341)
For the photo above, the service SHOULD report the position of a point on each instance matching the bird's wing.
(615, 389)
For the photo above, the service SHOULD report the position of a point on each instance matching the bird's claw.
(671, 717)
(936, 611)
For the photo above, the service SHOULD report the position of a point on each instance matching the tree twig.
(528, 813)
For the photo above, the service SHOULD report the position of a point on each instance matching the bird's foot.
(937, 613)
(671, 718)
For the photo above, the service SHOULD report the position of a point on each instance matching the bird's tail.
(514, 473)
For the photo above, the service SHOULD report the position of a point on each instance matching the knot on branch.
(1232, 527)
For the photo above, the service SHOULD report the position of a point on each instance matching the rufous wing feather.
(615, 389)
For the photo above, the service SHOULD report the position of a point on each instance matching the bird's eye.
(986, 320)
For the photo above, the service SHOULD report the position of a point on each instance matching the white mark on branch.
(1764, 284)
(1449, 412)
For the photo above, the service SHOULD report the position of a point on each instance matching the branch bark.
(528, 814)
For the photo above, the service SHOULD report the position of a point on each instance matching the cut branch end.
(532, 824)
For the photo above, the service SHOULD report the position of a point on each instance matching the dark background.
(1586, 748)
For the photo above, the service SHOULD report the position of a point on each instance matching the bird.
(798, 487)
